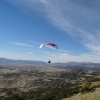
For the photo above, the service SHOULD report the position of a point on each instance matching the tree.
(85, 87)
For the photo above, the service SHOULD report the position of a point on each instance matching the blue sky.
(74, 25)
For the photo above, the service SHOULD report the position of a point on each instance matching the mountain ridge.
(66, 65)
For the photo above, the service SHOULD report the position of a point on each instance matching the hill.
(88, 96)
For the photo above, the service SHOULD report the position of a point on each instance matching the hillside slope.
(88, 96)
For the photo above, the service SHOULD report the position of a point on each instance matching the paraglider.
(49, 44)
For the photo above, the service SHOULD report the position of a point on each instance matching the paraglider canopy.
(49, 44)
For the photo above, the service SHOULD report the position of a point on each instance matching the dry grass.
(88, 96)
(95, 83)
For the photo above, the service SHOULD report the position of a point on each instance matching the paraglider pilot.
(49, 61)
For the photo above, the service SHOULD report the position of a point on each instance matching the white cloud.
(21, 44)
(20, 56)
(60, 57)
(76, 18)
(94, 48)
(30, 53)
(63, 57)
(35, 42)
(64, 51)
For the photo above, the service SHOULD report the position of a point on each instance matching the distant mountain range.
(67, 65)
(83, 65)
(10, 61)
